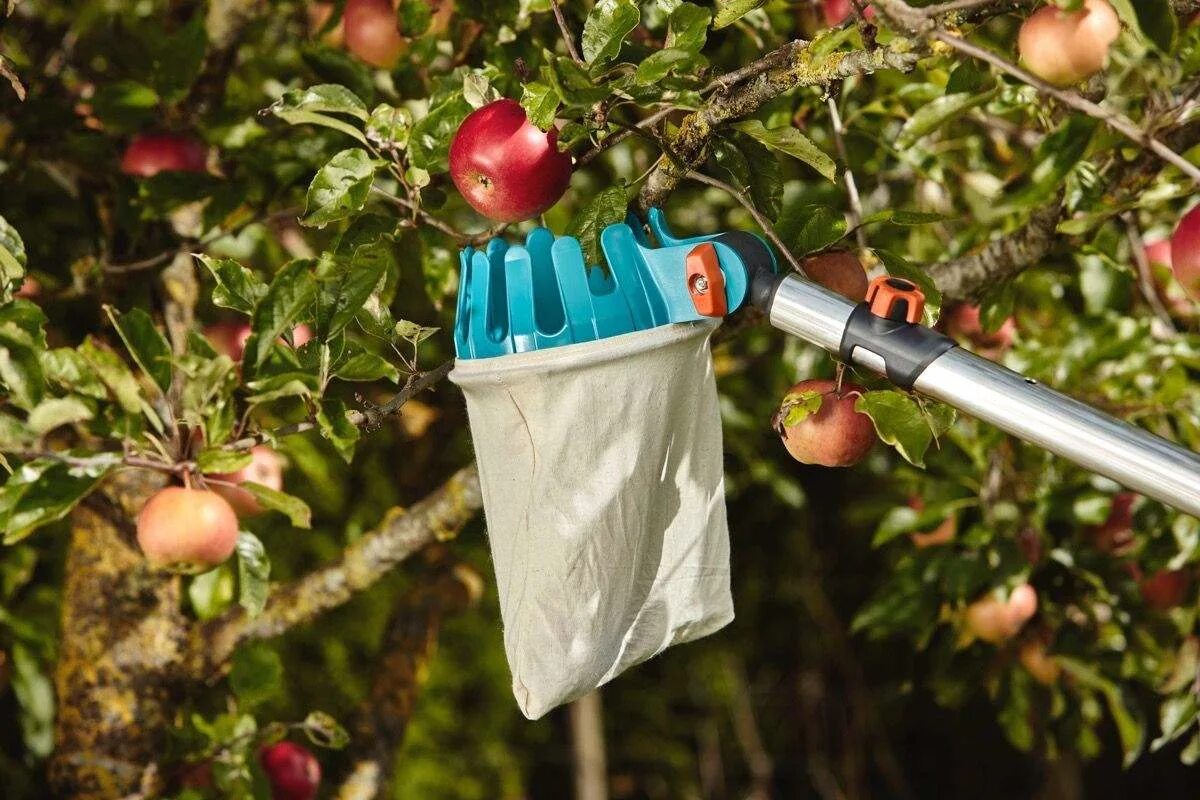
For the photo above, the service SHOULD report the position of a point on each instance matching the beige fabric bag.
(603, 487)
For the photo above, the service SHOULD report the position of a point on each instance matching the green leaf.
(324, 731)
(1154, 20)
(254, 568)
(1129, 728)
(606, 207)
(343, 287)
(177, 57)
(255, 674)
(326, 98)
(1054, 159)
(114, 374)
(237, 287)
(44, 491)
(791, 141)
(606, 27)
(429, 143)
(293, 508)
(20, 367)
(145, 343)
(540, 101)
(334, 423)
(1177, 715)
(366, 367)
(730, 11)
(808, 229)
(799, 406)
(414, 16)
(688, 28)
(35, 696)
(219, 461)
(290, 294)
(12, 260)
(901, 422)
(69, 370)
(660, 64)
(58, 411)
(210, 593)
(339, 188)
(933, 116)
(905, 218)
(389, 127)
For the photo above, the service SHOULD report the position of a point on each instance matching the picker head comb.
(517, 298)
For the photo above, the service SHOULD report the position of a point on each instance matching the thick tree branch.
(690, 143)
(408, 647)
(437, 517)
(970, 276)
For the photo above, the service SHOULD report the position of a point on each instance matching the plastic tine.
(572, 273)
(549, 315)
(610, 311)
(462, 318)
(657, 221)
(519, 275)
(489, 297)
(626, 259)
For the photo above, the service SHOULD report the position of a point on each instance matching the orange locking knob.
(705, 281)
(895, 298)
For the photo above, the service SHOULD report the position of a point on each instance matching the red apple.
(265, 467)
(836, 11)
(944, 533)
(1165, 589)
(1159, 252)
(994, 620)
(292, 770)
(318, 16)
(835, 435)
(372, 32)
(187, 530)
(505, 167)
(151, 153)
(1064, 47)
(1115, 534)
(1185, 253)
(962, 322)
(839, 272)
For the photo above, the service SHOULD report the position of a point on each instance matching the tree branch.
(690, 143)
(970, 276)
(438, 517)
(567, 36)
(409, 645)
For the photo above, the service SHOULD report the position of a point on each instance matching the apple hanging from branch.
(1065, 47)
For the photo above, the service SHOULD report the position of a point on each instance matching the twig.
(567, 36)
(767, 228)
(462, 239)
(856, 210)
(623, 134)
(1146, 276)
(587, 747)
(403, 532)
(1116, 121)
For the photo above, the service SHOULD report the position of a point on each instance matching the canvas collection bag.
(603, 487)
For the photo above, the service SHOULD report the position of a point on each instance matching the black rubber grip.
(906, 349)
(760, 267)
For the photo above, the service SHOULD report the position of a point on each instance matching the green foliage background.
(848, 657)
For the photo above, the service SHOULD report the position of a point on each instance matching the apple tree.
(234, 475)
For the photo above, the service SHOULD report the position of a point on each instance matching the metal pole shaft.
(1015, 404)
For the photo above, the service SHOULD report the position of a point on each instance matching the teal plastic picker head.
(514, 298)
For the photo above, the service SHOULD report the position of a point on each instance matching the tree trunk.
(119, 672)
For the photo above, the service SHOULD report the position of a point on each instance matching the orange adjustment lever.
(895, 298)
(705, 281)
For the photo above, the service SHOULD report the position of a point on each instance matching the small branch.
(567, 36)
(759, 217)
(1146, 280)
(856, 210)
(462, 239)
(690, 142)
(408, 647)
(1116, 121)
(403, 532)
(587, 747)
(623, 134)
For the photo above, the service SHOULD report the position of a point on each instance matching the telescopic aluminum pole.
(880, 336)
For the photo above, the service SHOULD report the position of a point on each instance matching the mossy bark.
(118, 675)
